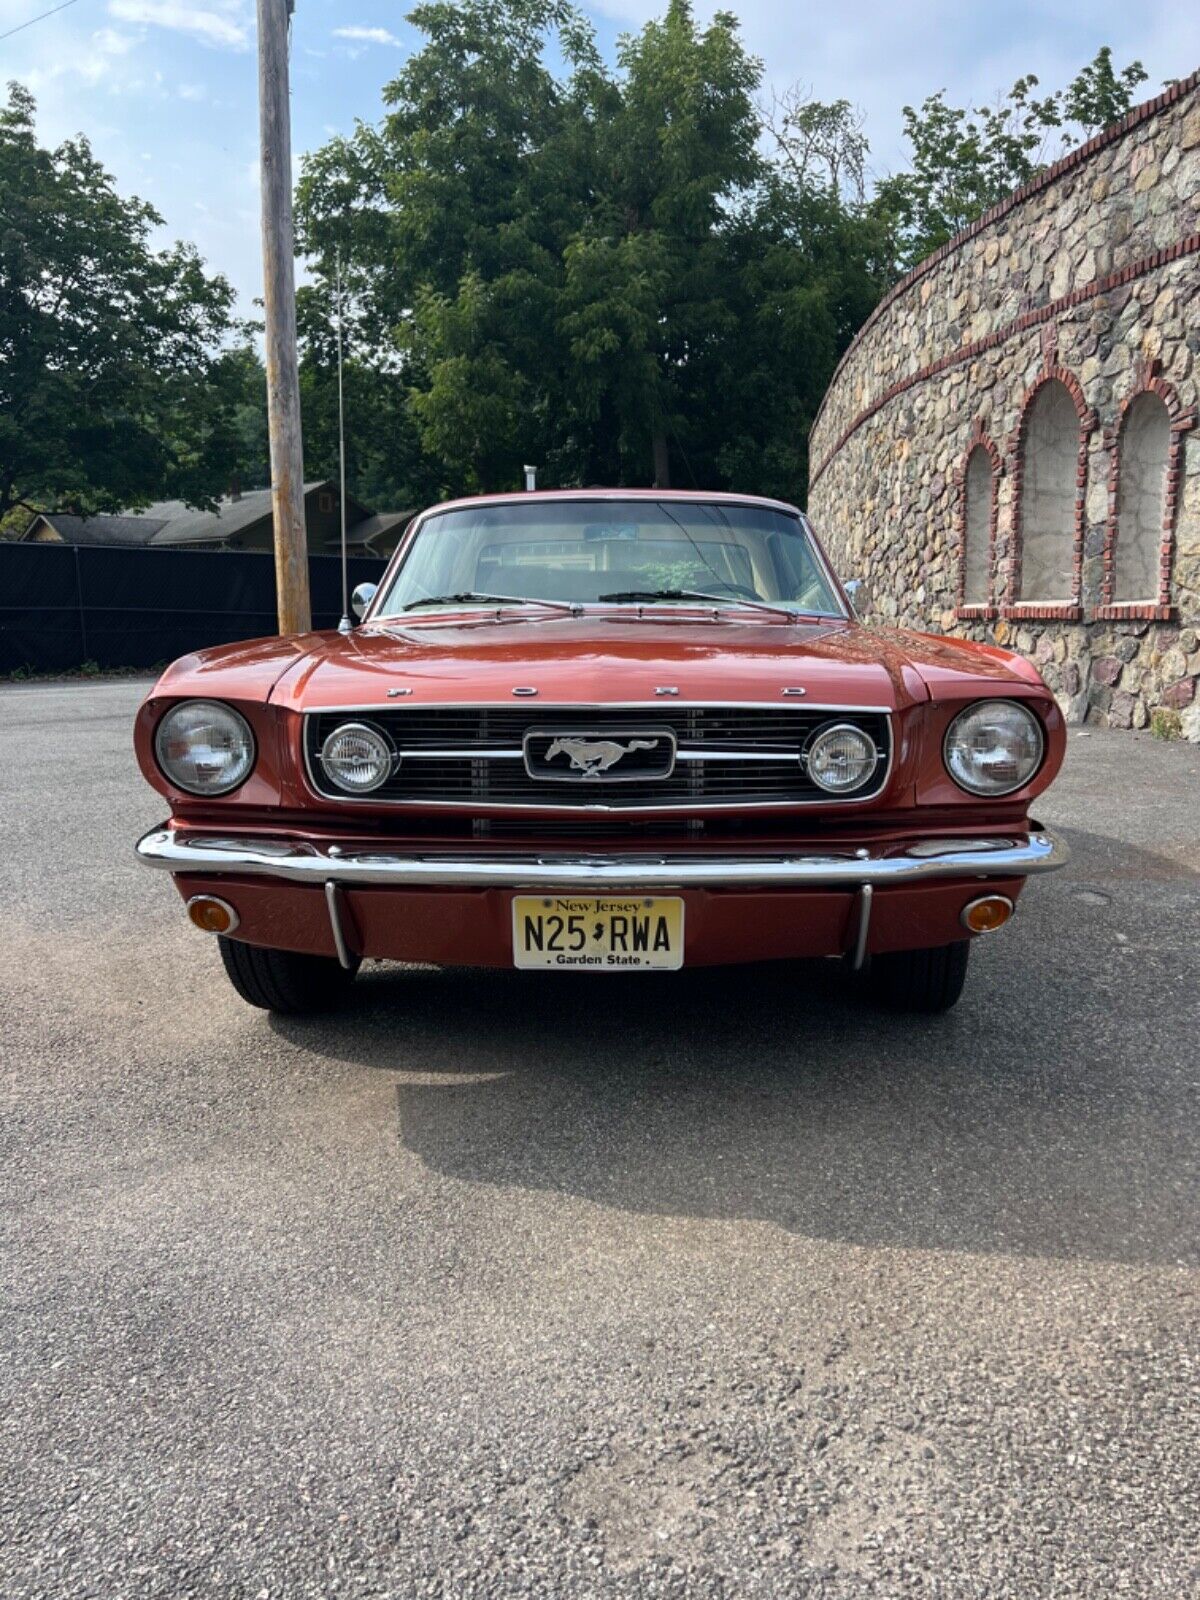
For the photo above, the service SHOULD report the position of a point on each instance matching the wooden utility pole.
(279, 299)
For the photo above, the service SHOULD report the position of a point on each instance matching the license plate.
(613, 934)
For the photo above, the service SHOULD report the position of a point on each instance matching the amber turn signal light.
(211, 915)
(987, 914)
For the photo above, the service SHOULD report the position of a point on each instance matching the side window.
(978, 490)
(1144, 445)
(1050, 456)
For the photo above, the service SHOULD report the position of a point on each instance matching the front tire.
(921, 980)
(285, 981)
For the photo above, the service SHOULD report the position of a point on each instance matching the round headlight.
(205, 747)
(841, 759)
(357, 758)
(994, 747)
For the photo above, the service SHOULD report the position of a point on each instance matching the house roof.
(379, 523)
(231, 517)
(188, 526)
(171, 522)
(98, 530)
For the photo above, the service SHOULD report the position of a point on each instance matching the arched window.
(979, 490)
(1050, 455)
(1144, 445)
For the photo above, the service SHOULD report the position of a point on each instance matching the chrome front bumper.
(299, 862)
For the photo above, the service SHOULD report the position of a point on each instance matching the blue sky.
(166, 89)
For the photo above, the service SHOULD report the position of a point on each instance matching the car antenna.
(345, 625)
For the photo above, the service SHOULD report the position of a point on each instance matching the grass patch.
(85, 670)
(1165, 723)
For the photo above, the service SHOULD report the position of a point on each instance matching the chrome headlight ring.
(840, 758)
(993, 748)
(358, 757)
(205, 747)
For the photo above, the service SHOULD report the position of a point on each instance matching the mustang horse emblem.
(591, 757)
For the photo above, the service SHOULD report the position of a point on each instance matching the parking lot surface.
(716, 1284)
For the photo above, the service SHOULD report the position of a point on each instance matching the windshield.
(612, 552)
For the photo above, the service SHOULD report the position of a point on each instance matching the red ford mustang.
(605, 730)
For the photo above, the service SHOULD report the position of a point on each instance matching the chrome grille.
(474, 755)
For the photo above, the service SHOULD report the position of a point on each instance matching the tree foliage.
(385, 466)
(963, 161)
(113, 386)
(819, 145)
(626, 272)
(596, 271)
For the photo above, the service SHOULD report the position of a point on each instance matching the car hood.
(614, 659)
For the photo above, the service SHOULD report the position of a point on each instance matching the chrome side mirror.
(363, 594)
(853, 589)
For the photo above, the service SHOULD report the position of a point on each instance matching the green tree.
(114, 389)
(648, 275)
(385, 464)
(565, 269)
(610, 270)
(448, 218)
(1098, 95)
(238, 383)
(819, 146)
(963, 161)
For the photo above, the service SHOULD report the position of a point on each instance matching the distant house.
(240, 522)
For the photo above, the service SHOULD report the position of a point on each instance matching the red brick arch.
(1148, 381)
(1058, 611)
(979, 440)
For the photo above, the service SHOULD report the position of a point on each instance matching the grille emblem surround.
(577, 755)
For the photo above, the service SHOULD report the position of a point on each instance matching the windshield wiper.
(471, 598)
(698, 594)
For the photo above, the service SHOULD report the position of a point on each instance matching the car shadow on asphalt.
(1044, 1116)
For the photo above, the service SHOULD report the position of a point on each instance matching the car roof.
(704, 496)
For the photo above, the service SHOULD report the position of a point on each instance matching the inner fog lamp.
(841, 759)
(993, 747)
(204, 747)
(357, 758)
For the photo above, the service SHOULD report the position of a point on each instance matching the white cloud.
(368, 35)
(221, 27)
(192, 91)
(111, 43)
(92, 61)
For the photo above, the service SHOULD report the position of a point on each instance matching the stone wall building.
(1009, 448)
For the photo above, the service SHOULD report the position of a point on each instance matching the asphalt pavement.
(702, 1284)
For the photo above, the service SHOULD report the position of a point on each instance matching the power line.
(22, 25)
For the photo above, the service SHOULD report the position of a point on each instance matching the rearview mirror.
(853, 589)
(362, 597)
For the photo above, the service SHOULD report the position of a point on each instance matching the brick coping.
(1115, 131)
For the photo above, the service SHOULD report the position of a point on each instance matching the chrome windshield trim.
(847, 612)
(185, 850)
(408, 541)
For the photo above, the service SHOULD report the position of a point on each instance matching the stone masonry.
(1084, 284)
